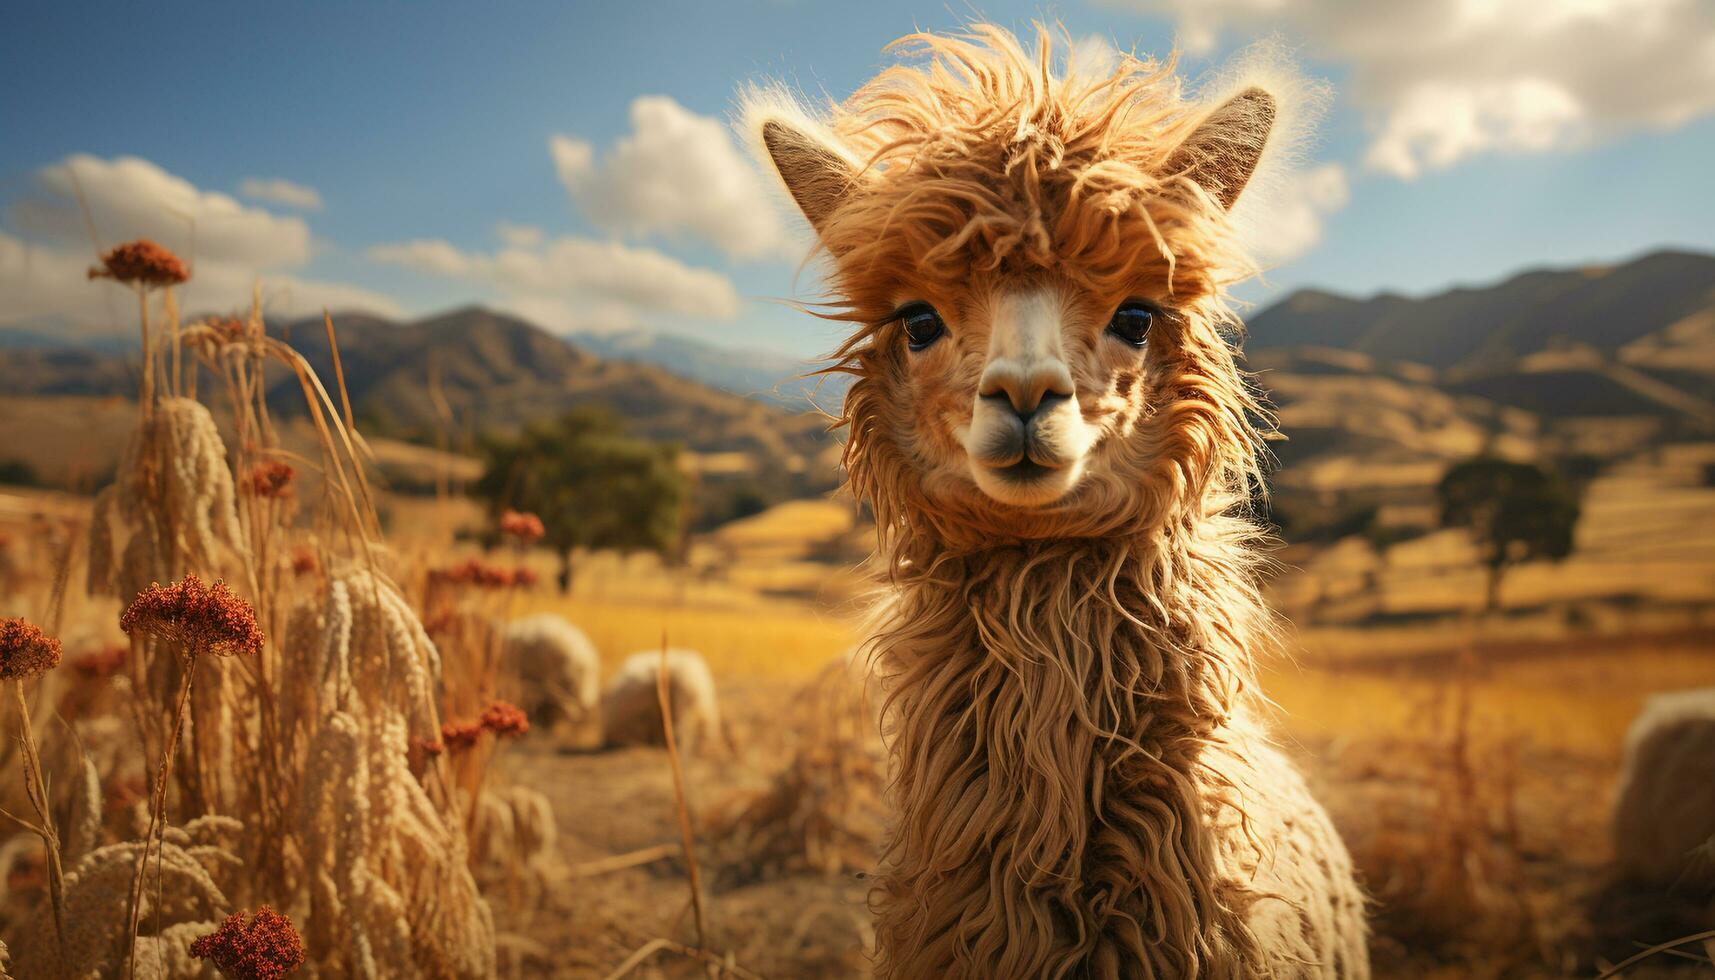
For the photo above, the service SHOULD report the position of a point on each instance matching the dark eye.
(1131, 322)
(923, 326)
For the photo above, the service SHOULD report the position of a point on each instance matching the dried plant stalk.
(382, 859)
(664, 695)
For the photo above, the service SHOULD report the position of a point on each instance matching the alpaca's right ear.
(816, 169)
(1223, 152)
(818, 176)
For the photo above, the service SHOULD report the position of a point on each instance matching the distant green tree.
(592, 485)
(18, 473)
(1515, 512)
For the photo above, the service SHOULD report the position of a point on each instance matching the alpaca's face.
(1033, 265)
(1014, 390)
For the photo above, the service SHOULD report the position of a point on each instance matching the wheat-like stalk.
(175, 493)
(382, 857)
(356, 833)
(96, 921)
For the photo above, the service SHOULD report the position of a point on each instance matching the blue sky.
(1450, 155)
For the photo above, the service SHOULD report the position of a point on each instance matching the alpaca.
(1046, 417)
(631, 708)
(1664, 812)
(557, 665)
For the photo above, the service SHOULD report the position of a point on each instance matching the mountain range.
(1593, 360)
(1635, 339)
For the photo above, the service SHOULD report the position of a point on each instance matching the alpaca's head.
(1033, 259)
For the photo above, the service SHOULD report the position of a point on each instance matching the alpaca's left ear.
(1223, 152)
(817, 175)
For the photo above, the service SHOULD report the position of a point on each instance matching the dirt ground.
(616, 802)
(1525, 819)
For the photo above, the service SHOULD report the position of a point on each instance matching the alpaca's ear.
(1223, 152)
(817, 175)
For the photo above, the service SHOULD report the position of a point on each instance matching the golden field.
(1468, 758)
(1370, 704)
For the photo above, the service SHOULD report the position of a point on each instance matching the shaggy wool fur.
(1083, 788)
(1664, 810)
(631, 706)
(557, 665)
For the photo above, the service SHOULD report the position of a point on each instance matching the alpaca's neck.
(1063, 713)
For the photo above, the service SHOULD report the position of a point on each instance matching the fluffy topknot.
(976, 153)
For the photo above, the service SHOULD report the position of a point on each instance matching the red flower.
(504, 718)
(272, 479)
(26, 651)
(201, 618)
(227, 328)
(265, 949)
(524, 577)
(458, 574)
(141, 261)
(303, 561)
(104, 662)
(459, 737)
(475, 571)
(523, 525)
(430, 747)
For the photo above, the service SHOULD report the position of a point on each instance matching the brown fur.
(1082, 786)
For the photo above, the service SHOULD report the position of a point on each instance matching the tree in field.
(592, 485)
(1515, 512)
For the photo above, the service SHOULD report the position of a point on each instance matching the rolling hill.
(771, 377)
(1585, 361)
(1375, 395)
(1470, 329)
(496, 373)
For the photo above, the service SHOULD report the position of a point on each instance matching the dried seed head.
(304, 561)
(141, 262)
(475, 571)
(26, 651)
(459, 737)
(504, 718)
(524, 526)
(227, 328)
(264, 949)
(271, 479)
(201, 618)
(101, 662)
(472, 571)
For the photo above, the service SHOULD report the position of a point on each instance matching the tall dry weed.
(1444, 862)
(311, 739)
(823, 811)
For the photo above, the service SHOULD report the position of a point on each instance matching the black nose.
(1028, 406)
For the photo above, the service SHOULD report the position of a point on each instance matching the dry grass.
(309, 734)
(1473, 789)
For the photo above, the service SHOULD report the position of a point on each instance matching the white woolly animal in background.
(1047, 419)
(557, 666)
(1664, 815)
(631, 710)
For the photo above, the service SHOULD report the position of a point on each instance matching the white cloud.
(679, 174)
(44, 280)
(577, 283)
(1292, 223)
(425, 255)
(560, 316)
(1443, 80)
(44, 258)
(130, 198)
(519, 236)
(276, 190)
(1434, 125)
